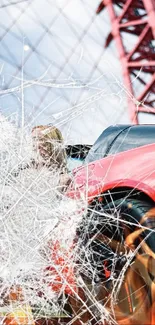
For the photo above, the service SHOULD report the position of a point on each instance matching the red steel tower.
(133, 22)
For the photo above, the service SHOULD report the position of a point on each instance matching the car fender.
(126, 183)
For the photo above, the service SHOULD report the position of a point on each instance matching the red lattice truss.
(135, 18)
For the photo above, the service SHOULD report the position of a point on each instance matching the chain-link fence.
(54, 67)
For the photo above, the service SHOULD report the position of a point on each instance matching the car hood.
(133, 168)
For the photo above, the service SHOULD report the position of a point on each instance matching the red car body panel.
(133, 168)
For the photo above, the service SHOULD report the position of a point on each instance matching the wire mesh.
(53, 51)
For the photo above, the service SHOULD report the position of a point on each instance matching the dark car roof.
(119, 138)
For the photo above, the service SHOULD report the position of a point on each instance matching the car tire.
(134, 298)
(132, 211)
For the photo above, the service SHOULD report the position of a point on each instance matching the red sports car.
(117, 238)
(111, 271)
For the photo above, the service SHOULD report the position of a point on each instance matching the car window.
(73, 163)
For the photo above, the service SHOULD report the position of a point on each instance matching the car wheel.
(119, 243)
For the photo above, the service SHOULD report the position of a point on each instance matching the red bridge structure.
(134, 20)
